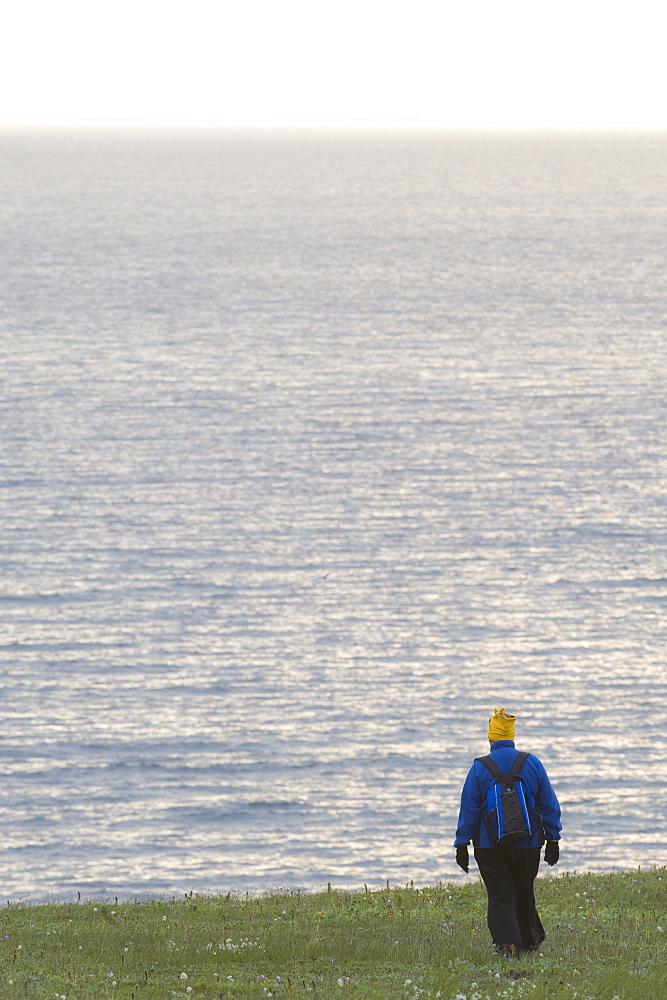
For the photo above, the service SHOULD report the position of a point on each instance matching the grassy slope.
(604, 940)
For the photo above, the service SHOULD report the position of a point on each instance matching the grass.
(605, 940)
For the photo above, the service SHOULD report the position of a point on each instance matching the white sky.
(469, 61)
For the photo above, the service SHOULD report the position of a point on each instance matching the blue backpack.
(510, 814)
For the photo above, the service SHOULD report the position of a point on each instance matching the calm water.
(314, 449)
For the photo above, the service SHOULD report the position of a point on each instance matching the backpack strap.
(491, 765)
(514, 770)
(519, 761)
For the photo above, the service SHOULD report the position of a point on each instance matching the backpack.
(510, 814)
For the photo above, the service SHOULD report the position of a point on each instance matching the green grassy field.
(606, 939)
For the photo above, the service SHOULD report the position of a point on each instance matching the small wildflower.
(341, 982)
(184, 975)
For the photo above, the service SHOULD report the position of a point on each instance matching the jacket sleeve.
(548, 806)
(471, 810)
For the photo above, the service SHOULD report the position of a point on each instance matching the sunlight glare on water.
(315, 448)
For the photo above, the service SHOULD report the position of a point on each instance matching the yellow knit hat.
(501, 726)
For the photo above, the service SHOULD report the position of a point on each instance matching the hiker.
(508, 872)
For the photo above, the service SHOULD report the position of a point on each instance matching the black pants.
(508, 874)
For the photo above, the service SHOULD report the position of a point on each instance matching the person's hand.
(462, 859)
(551, 852)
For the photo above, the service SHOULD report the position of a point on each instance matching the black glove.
(462, 859)
(551, 852)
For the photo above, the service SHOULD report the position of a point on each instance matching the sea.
(315, 447)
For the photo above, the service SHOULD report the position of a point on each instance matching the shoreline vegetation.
(606, 940)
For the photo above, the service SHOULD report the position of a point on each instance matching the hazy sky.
(469, 61)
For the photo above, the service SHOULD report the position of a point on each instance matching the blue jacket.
(477, 784)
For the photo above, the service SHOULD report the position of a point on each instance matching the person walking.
(508, 872)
